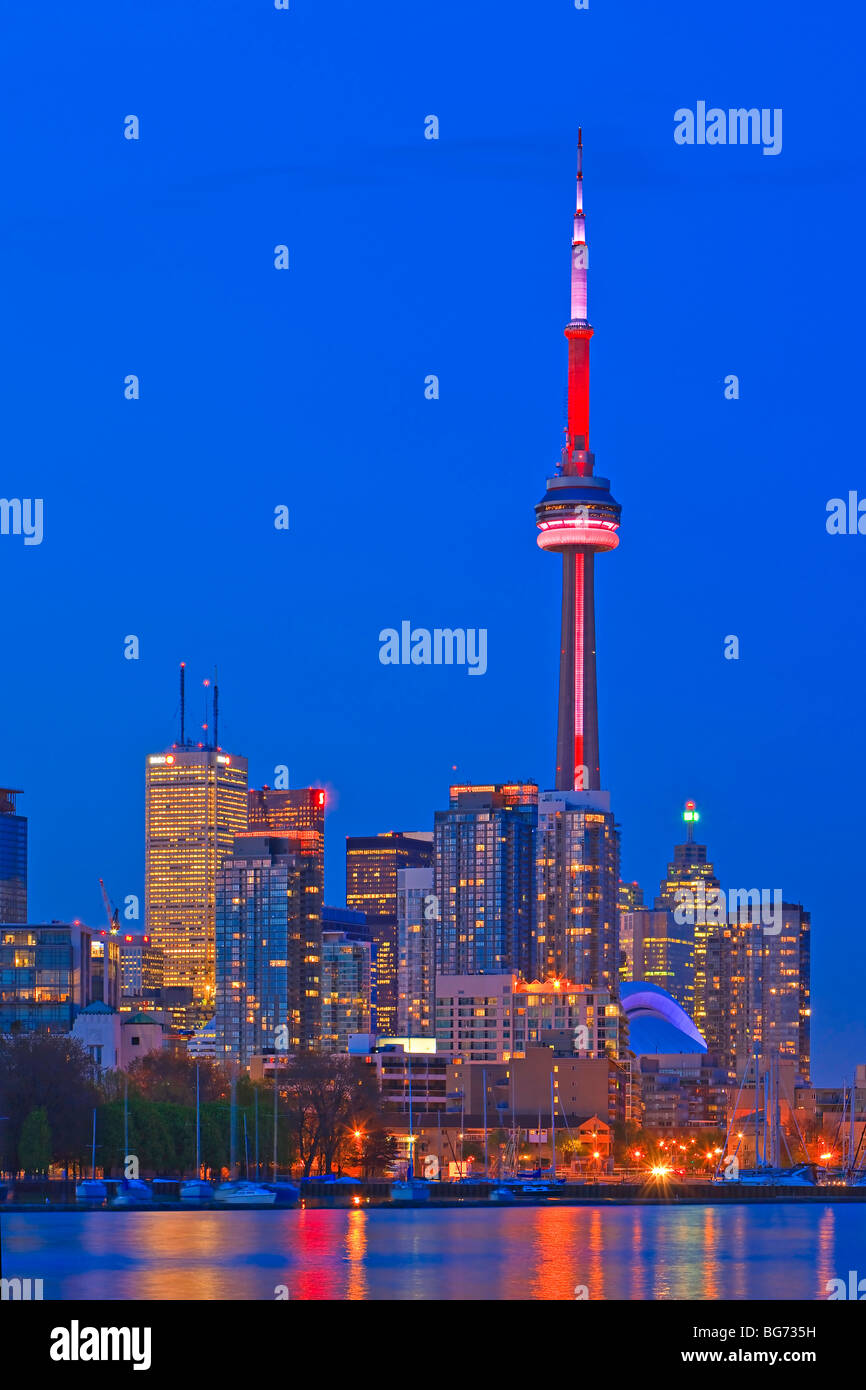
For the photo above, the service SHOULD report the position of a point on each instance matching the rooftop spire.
(579, 254)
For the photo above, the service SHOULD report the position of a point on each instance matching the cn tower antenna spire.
(578, 518)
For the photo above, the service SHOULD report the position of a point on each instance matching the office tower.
(657, 948)
(484, 871)
(195, 805)
(345, 990)
(372, 865)
(692, 892)
(578, 518)
(45, 976)
(759, 986)
(267, 910)
(298, 813)
(142, 973)
(13, 858)
(577, 882)
(416, 952)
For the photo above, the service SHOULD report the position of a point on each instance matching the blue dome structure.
(657, 1023)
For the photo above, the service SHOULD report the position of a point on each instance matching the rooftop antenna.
(205, 725)
(216, 710)
(182, 704)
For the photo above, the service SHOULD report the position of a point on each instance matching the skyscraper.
(298, 812)
(578, 518)
(692, 892)
(13, 858)
(268, 907)
(372, 864)
(195, 805)
(345, 990)
(577, 882)
(485, 852)
(416, 953)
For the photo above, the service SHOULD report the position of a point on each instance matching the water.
(712, 1252)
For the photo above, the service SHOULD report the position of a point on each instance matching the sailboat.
(242, 1193)
(769, 1138)
(197, 1190)
(130, 1192)
(91, 1189)
(411, 1189)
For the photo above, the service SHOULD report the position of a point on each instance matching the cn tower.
(576, 518)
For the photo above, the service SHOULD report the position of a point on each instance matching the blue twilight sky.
(306, 388)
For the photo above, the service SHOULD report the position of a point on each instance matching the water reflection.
(736, 1251)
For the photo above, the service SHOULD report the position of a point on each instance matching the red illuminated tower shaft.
(576, 518)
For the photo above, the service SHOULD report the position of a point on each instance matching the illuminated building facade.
(372, 865)
(655, 947)
(45, 976)
(497, 1018)
(691, 892)
(13, 858)
(105, 969)
(268, 911)
(416, 952)
(577, 889)
(345, 990)
(298, 813)
(484, 879)
(141, 969)
(760, 989)
(195, 805)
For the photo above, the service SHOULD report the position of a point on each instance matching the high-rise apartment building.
(141, 971)
(345, 990)
(759, 988)
(372, 865)
(416, 953)
(577, 888)
(484, 879)
(13, 858)
(268, 911)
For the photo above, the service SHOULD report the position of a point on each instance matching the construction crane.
(111, 912)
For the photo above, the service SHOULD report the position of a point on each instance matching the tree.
(34, 1143)
(378, 1153)
(54, 1072)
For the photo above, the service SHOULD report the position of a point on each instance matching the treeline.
(328, 1114)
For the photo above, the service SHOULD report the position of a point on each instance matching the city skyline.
(312, 695)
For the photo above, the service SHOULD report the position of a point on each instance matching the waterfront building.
(484, 871)
(372, 865)
(760, 988)
(494, 1018)
(13, 858)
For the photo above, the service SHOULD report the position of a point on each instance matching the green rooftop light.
(690, 814)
